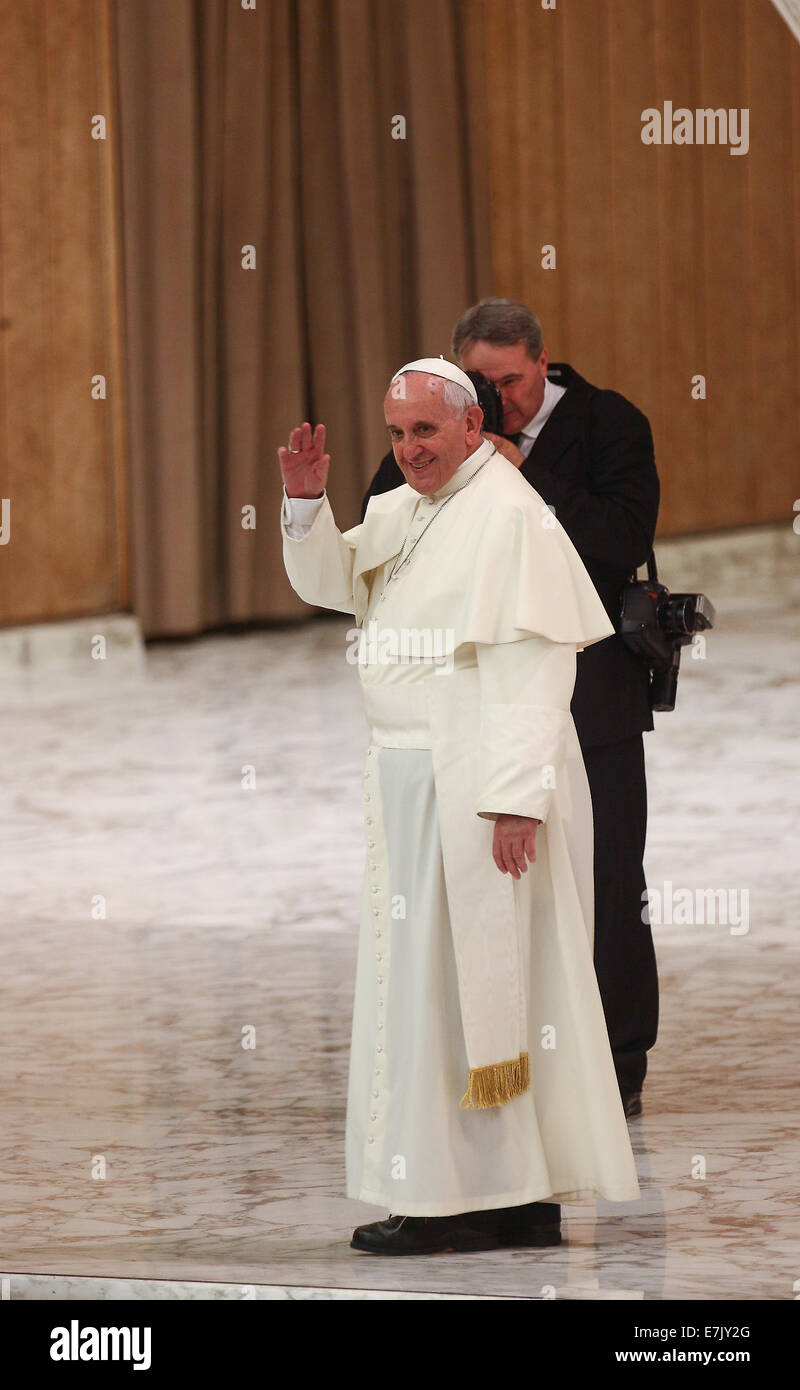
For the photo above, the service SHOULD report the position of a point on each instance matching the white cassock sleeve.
(526, 689)
(318, 556)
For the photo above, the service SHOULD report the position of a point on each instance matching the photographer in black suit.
(589, 455)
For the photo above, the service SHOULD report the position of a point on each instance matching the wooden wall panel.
(681, 432)
(673, 260)
(772, 86)
(584, 173)
(729, 492)
(634, 206)
(60, 450)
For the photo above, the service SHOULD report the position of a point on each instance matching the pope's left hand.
(514, 837)
(506, 448)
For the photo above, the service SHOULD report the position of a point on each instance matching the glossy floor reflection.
(139, 1140)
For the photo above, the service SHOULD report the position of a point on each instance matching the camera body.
(656, 625)
(490, 402)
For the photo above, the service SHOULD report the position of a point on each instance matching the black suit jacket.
(593, 462)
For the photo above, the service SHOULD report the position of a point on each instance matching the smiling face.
(519, 379)
(428, 439)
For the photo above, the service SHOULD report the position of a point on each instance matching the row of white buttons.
(381, 955)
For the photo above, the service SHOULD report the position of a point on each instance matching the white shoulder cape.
(508, 567)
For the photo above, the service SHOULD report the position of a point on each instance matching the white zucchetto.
(437, 366)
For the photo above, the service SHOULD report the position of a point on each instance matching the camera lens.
(679, 614)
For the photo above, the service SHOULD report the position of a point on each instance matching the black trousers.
(624, 956)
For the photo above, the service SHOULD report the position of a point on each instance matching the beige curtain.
(271, 128)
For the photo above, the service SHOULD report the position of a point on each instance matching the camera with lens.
(490, 402)
(656, 624)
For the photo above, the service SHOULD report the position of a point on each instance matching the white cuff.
(299, 514)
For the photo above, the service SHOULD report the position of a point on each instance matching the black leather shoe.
(532, 1224)
(422, 1235)
(631, 1104)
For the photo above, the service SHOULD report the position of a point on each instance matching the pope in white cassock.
(482, 1090)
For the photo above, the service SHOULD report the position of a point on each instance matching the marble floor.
(155, 908)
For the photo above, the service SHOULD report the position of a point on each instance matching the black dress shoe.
(422, 1235)
(532, 1224)
(631, 1104)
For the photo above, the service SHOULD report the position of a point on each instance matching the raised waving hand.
(304, 464)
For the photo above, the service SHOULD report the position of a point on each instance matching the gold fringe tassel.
(497, 1084)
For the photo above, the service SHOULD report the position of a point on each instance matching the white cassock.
(480, 1069)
